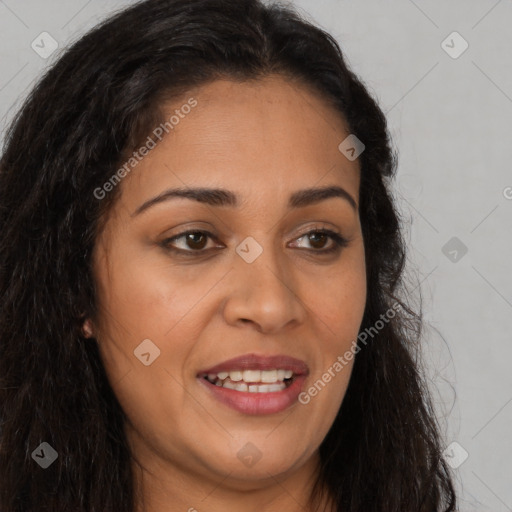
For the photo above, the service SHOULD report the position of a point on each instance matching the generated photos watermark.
(342, 361)
(159, 132)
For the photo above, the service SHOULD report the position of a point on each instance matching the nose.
(264, 293)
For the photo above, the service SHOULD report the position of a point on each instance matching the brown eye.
(190, 242)
(194, 243)
(317, 239)
(196, 240)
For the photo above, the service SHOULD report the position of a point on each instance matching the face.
(260, 279)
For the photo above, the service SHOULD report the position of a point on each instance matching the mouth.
(254, 384)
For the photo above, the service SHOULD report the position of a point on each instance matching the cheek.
(145, 298)
(141, 300)
(339, 299)
(338, 305)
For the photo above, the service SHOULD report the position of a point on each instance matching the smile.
(253, 384)
(253, 381)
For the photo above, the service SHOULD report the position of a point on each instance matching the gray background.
(450, 120)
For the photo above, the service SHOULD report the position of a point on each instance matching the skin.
(262, 140)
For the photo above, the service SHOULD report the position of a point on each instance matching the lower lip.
(257, 403)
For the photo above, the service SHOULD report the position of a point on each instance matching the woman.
(200, 278)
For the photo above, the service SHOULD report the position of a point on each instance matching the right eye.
(195, 240)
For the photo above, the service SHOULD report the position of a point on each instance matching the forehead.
(268, 136)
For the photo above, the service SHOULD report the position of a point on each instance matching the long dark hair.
(100, 99)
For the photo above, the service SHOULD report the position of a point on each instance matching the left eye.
(319, 237)
(197, 240)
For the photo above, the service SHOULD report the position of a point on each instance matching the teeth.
(241, 387)
(253, 388)
(264, 388)
(275, 387)
(268, 376)
(235, 376)
(252, 381)
(270, 388)
(251, 376)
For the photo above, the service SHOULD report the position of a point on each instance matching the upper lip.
(257, 362)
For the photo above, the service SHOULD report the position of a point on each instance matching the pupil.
(194, 242)
(317, 235)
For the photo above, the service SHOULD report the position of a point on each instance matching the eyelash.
(339, 242)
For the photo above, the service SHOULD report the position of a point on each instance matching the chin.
(250, 459)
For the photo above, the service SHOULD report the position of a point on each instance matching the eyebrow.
(223, 197)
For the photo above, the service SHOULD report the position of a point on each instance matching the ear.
(87, 328)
